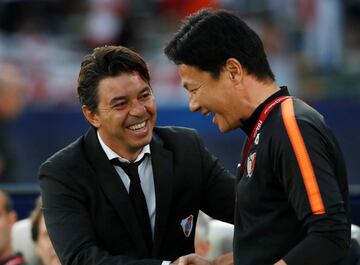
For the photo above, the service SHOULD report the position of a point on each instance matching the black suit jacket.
(88, 213)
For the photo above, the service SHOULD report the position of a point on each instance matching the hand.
(176, 262)
(193, 259)
(280, 262)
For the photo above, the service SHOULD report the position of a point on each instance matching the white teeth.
(137, 126)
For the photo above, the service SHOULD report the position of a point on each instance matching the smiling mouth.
(137, 126)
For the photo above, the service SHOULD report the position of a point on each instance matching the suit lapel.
(112, 186)
(162, 163)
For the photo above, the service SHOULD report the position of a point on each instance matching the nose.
(193, 104)
(137, 108)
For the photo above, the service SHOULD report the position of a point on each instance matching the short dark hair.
(107, 61)
(35, 217)
(209, 37)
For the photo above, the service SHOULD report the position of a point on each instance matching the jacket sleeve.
(70, 228)
(308, 160)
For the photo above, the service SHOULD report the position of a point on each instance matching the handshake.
(194, 259)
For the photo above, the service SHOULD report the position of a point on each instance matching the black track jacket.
(292, 199)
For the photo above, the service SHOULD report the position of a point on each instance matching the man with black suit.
(94, 204)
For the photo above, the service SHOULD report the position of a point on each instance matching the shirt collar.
(111, 154)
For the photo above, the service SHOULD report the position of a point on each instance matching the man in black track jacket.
(291, 192)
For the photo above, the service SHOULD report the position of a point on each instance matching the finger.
(182, 261)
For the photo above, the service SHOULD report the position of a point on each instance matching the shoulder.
(297, 120)
(66, 158)
(297, 109)
(174, 130)
(294, 112)
(177, 138)
(175, 133)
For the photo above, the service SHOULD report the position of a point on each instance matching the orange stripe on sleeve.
(302, 156)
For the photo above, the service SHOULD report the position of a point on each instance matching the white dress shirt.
(146, 179)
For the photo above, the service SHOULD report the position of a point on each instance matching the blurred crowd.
(46, 39)
(11, 104)
(313, 47)
(24, 242)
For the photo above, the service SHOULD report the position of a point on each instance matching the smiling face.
(207, 95)
(125, 115)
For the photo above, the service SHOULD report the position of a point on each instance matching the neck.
(258, 92)
(116, 146)
(262, 92)
(130, 155)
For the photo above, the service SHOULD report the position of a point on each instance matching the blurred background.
(313, 47)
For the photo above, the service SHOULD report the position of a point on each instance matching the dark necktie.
(137, 198)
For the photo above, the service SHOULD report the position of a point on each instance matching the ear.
(91, 116)
(234, 69)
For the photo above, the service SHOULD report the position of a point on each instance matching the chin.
(225, 129)
(147, 139)
(143, 142)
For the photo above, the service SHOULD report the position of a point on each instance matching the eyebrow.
(193, 86)
(145, 89)
(116, 99)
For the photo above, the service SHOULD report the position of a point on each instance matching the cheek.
(193, 96)
(151, 107)
(118, 117)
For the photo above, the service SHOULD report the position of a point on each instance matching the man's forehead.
(187, 76)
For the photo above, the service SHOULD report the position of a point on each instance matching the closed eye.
(119, 104)
(194, 90)
(145, 95)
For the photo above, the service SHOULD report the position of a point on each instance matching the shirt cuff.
(165, 262)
